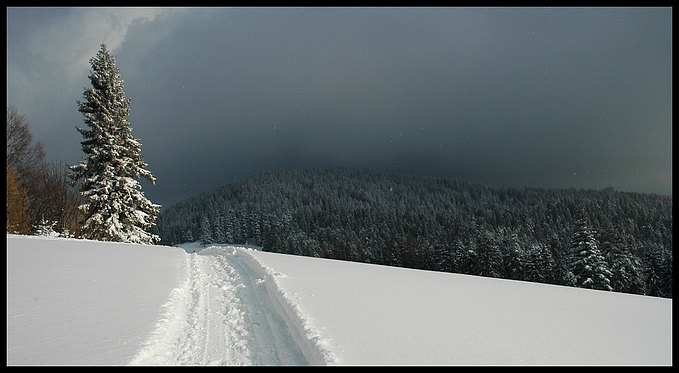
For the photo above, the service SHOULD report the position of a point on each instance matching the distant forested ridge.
(600, 239)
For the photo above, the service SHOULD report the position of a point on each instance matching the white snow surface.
(80, 302)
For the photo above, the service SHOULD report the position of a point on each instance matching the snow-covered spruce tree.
(626, 268)
(589, 267)
(206, 231)
(115, 207)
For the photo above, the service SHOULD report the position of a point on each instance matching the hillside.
(78, 302)
(436, 224)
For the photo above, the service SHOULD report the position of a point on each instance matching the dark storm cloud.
(522, 97)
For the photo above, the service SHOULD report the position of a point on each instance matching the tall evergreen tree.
(188, 236)
(488, 256)
(626, 269)
(513, 266)
(115, 207)
(538, 264)
(218, 230)
(589, 267)
(206, 231)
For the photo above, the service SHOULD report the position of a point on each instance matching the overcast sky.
(544, 97)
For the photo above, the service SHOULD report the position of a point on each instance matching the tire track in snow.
(262, 318)
(220, 315)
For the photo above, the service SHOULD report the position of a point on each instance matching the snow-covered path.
(220, 315)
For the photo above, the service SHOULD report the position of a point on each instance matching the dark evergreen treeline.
(601, 239)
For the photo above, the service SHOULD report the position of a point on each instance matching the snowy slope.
(368, 314)
(82, 302)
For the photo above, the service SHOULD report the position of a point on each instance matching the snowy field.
(78, 302)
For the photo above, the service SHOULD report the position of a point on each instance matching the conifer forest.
(598, 239)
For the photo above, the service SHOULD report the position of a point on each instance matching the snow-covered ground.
(84, 302)
(78, 302)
